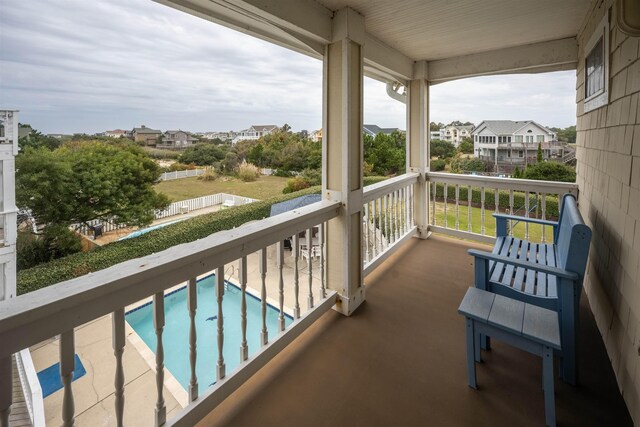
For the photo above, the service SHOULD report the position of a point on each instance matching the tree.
(202, 154)
(517, 173)
(285, 128)
(36, 139)
(230, 163)
(437, 165)
(473, 165)
(567, 134)
(466, 146)
(83, 181)
(550, 171)
(385, 153)
(539, 158)
(442, 149)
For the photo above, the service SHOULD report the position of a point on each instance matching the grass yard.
(189, 188)
(535, 230)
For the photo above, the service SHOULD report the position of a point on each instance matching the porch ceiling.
(437, 29)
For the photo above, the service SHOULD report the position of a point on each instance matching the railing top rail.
(504, 183)
(379, 189)
(39, 315)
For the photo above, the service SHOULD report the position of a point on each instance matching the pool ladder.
(228, 275)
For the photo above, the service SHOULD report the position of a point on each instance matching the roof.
(462, 127)
(298, 202)
(507, 127)
(145, 129)
(373, 130)
(262, 128)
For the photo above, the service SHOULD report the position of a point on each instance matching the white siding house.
(254, 132)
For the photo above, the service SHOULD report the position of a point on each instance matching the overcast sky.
(89, 66)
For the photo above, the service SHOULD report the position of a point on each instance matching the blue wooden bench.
(546, 275)
(519, 324)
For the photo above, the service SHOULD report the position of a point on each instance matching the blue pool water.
(155, 227)
(176, 331)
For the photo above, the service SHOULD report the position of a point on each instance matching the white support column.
(342, 156)
(418, 143)
(8, 211)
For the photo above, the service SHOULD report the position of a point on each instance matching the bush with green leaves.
(438, 165)
(56, 241)
(550, 171)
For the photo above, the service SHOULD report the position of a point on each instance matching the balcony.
(399, 359)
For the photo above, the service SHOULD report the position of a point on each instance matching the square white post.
(418, 143)
(342, 156)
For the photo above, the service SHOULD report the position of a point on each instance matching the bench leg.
(471, 351)
(485, 342)
(476, 346)
(549, 397)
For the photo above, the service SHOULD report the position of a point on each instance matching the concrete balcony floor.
(400, 360)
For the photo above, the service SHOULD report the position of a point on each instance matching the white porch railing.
(462, 205)
(387, 218)
(30, 387)
(58, 309)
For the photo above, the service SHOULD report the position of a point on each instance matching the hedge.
(154, 241)
(503, 198)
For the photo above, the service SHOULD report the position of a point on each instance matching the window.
(596, 64)
(539, 138)
(529, 138)
(518, 138)
(520, 154)
(508, 139)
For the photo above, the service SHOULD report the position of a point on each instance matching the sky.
(75, 66)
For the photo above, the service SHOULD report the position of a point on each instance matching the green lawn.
(189, 188)
(535, 230)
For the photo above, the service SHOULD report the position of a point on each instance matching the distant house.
(145, 135)
(373, 130)
(116, 133)
(508, 143)
(24, 130)
(176, 139)
(254, 132)
(436, 134)
(455, 134)
(316, 135)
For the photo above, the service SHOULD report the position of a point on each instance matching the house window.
(539, 138)
(520, 154)
(508, 139)
(518, 138)
(596, 64)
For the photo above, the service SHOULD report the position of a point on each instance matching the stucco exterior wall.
(608, 164)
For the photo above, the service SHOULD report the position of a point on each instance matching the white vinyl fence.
(167, 176)
(175, 208)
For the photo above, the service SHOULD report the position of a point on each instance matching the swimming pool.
(155, 227)
(176, 331)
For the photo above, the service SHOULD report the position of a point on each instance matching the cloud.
(78, 66)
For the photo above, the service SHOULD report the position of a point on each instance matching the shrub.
(181, 167)
(296, 184)
(282, 173)
(209, 175)
(248, 172)
(56, 241)
(158, 240)
(157, 153)
(438, 165)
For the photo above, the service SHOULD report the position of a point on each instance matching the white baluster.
(394, 214)
(385, 219)
(220, 366)
(6, 390)
(323, 289)
(511, 212)
(446, 193)
(264, 334)
(543, 209)
(433, 206)
(310, 268)
(192, 307)
(67, 366)
(280, 265)
(296, 275)
(406, 191)
(366, 232)
(526, 214)
(469, 202)
(457, 207)
(374, 249)
(482, 196)
(118, 342)
(158, 324)
(244, 348)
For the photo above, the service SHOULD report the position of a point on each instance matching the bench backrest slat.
(573, 238)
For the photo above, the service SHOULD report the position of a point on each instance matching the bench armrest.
(501, 223)
(540, 268)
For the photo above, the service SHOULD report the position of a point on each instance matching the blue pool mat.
(50, 380)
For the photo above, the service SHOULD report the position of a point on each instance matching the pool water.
(176, 331)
